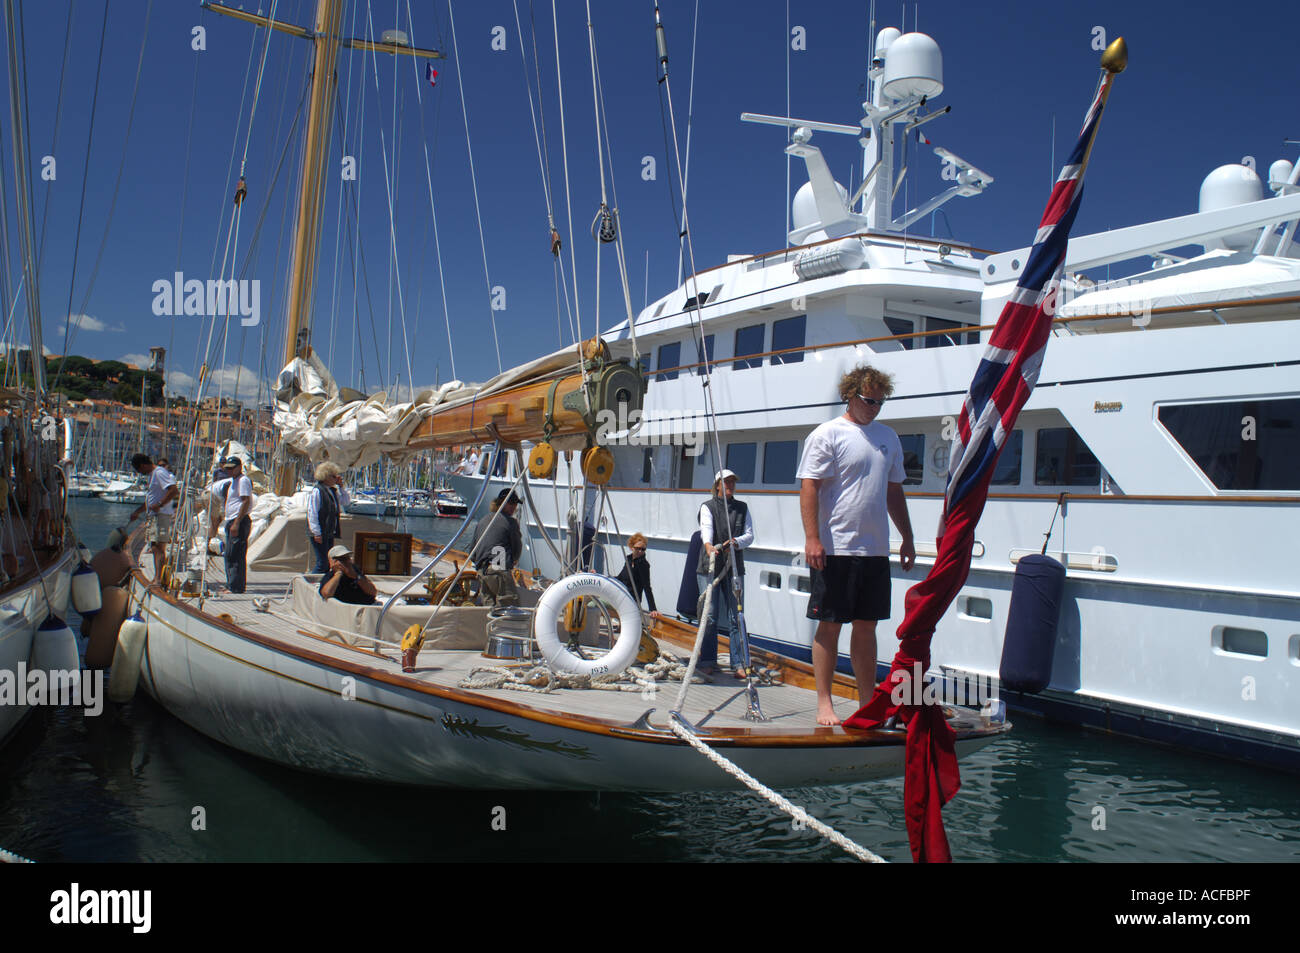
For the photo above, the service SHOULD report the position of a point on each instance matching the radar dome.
(1280, 171)
(803, 212)
(1226, 186)
(913, 67)
(884, 38)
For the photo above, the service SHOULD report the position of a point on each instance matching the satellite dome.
(884, 39)
(1226, 186)
(913, 67)
(1280, 171)
(803, 211)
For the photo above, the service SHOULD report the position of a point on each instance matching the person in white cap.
(345, 581)
(852, 476)
(726, 528)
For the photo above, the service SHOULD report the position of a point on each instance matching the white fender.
(86, 596)
(126, 659)
(608, 590)
(54, 647)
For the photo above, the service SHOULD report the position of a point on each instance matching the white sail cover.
(322, 421)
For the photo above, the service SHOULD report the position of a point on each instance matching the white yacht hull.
(21, 611)
(289, 706)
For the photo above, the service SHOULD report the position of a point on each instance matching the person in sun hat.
(726, 528)
(345, 581)
(851, 478)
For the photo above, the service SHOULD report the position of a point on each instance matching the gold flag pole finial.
(1115, 58)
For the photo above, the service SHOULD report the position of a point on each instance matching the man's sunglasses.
(873, 401)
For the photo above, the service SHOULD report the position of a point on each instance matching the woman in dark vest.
(726, 528)
(324, 509)
(636, 573)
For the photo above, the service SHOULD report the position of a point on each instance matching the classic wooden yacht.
(398, 692)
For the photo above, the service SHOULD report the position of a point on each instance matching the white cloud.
(85, 322)
(233, 380)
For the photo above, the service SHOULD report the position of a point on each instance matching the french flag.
(431, 74)
(1003, 381)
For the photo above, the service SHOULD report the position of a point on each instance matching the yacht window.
(780, 459)
(1240, 444)
(670, 355)
(788, 332)
(741, 458)
(1063, 459)
(913, 457)
(708, 350)
(647, 464)
(749, 341)
(948, 340)
(685, 468)
(902, 326)
(1007, 472)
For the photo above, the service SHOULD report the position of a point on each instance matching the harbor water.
(135, 784)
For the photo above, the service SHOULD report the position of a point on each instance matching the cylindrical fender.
(86, 597)
(608, 590)
(102, 628)
(126, 660)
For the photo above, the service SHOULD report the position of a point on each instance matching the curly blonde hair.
(865, 377)
(327, 471)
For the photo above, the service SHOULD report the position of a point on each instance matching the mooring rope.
(758, 787)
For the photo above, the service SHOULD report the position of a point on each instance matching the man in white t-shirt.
(160, 505)
(238, 503)
(852, 476)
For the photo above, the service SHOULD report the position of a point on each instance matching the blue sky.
(1206, 86)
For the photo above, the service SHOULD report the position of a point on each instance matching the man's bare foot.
(826, 715)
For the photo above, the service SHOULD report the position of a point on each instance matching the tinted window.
(741, 458)
(1063, 459)
(647, 464)
(749, 341)
(902, 326)
(913, 457)
(789, 332)
(780, 458)
(1007, 472)
(708, 350)
(1241, 444)
(948, 340)
(670, 355)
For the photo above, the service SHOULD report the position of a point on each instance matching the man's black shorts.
(850, 588)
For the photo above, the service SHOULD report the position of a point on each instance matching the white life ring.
(552, 603)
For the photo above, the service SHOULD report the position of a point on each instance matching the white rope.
(568, 192)
(776, 800)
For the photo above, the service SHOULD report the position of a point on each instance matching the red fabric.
(931, 778)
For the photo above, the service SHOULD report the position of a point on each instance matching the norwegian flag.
(1002, 384)
(431, 74)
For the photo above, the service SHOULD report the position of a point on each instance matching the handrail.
(487, 478)
(971, 329)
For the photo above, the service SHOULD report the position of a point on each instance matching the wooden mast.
(311, 187)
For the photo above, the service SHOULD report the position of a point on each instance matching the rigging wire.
(85, 182)
(428, 178)
(460, 85)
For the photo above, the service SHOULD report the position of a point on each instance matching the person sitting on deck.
(345, 581)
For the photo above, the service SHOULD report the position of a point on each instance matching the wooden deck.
(721, 705)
